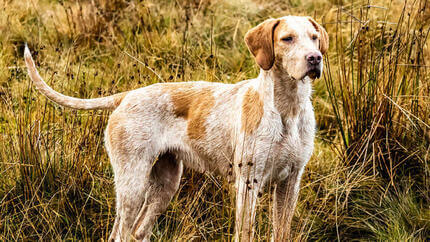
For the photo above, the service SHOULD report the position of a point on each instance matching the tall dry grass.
(367, 180)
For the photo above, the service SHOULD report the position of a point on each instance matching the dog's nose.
(314, 58)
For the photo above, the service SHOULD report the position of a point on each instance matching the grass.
(368, 179)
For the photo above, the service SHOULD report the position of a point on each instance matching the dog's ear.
(324, 36)
(260, 42)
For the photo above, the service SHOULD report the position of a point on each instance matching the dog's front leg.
(285, 197)
(246, 201)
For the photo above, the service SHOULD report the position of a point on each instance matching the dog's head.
(294, 44)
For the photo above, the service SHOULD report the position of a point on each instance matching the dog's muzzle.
(314, 72)
(314, 64)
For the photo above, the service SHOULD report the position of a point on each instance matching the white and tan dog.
(256, 132)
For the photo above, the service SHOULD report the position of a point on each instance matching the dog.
(255, 132)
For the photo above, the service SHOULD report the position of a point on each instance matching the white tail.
(110, 102)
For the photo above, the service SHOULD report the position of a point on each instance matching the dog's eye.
(314, 37)
(288, 39)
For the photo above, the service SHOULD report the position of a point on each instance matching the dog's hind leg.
(164, 181)
(115, 229)
(131, 183)
(132, 155)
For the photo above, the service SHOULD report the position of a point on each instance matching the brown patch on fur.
(193, 104)
(118, 98)
(323, 38)
(260, 42)
(182, 96)
(252, 111)
(117, 134)
(198, 114)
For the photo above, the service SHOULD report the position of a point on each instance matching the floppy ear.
(260, 42)
(323, 38)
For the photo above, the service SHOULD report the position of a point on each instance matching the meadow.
(368, 178)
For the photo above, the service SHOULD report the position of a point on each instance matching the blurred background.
(369, 176)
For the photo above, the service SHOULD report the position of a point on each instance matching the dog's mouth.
(313, 73)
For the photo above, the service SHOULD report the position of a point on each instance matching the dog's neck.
(289, 96)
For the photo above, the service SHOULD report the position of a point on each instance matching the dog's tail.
(110, 102)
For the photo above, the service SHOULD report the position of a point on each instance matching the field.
(368, 178)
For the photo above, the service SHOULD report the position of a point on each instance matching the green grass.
(368, 179)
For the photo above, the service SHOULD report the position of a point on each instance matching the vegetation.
(368, 179)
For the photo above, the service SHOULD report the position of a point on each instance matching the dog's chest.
(295, 147)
